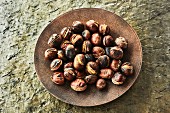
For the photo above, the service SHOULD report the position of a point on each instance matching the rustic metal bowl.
(91, 96)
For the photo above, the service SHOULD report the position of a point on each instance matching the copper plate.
(91, 96)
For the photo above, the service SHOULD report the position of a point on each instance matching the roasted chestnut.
(118, 78)
(70, 52)
(66, 33)
(69, 74)
(86, 34)
(127, 68)
(90, 79)
(78, 85)
(103, 61)
(106, 73)
(108, 41)
(64, 44)
(92, 25)
(58, 78)
(79, 62)
(78, 50)
(87, 46)
(116, 52)
(121, 42)
(98, 51)
(77, 27)
(55, 64)
(68, 65)
(100, 84)
(104, 29)
(115, 65)
(76, 39)
(50, 54)
(92, 68)
(61, 55)
(89, 57)
(96, 39)
(80, 74)
(54, 41)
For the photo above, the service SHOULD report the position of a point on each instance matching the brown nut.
(61, 55)
(76, 39)
(106, 73)
(80, 74)
(86, 34)
(89, 57)
(118, 78)
(68, 65)
(50, 54)
(87, 46)
(104, 29)
(115, 65)
(96, 39)
(54, 41)
(69, 74)
(92, 25)
(100, 84)
(127, 68)
(66, 33)
(70, 52)
(77, 27)
(121, 42)
(92, 68)
(108, 41)
(79, 62)
(90, 79)
(116, 52)
(103, 61)
(98, 51)
(58, 78)
(78, 50)
(78, 85)
(64, 44)
(55, 64)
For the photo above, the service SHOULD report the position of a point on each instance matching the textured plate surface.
(90, 97)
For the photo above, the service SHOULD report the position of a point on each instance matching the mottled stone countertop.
(22, 21)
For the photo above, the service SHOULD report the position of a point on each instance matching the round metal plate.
(91, 96)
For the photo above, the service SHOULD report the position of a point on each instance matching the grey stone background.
(22, 21)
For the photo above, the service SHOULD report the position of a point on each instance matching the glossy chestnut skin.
(98, 51)
(101, 84)
(77, 27)
(92, 68)
(80, 74)
(69, 74)
(78, 85)
(61, 55)
(127, 68)
(86, 34)
(64, 44)
(92, 25)
(68, 65)
(87, 46)
(104, 29)
(106, 73)
(90, 79)
(116, 52)
(66, 33)
(79, 62)
(55, 64)
(50, 54)
(103, 61)
(89, 57)
(108, 41)
(76, 39)
(96, 39)
(58, 78)
(115, 65)
(121, 42)
(118, 78)
(70, 52)
(54, 41)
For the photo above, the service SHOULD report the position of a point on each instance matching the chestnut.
(58, 78)
(115, 65)
(68, 65)
(78, 85)
(79, 62)
(64, 44)
(77, 27)
(55, 64)
(118, 78)
(50, 54)
(80, 74)
(127, 68)
(70, 52)
(96, 39)
(116, 52)
(98, 51)
(76, 39)
(106, 73)
(92, 25)
(108, 41)
(101, 84)
(87, 46)
(78, 50)
(86, 34)
(121, 42)
(92, 68)
(104, 29)
(90, 79)
(61, 55)
(103, 61)
(89, 57)
(54, 41)
(69, 74)
(66, 33)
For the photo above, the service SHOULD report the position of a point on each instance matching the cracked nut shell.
(108, 41)
(116, 52)
(61, 55)
(92, 68)
(55, 64)
(96, 39)
(115, 65)
(80, 74)
(77, 27)
(58, 78)
(50, 54)
(79, 62)
(98, 51)
(127, 68)
(66, 33)
(103, 61)
(54, 41)
(100, 84)
(106, 73)
(104, 29)
(90, 79)
(64, 44)
(87, 46)
(76, 39)
(78, 85)
(69, 74)
(92, 25)
(121, 42)
(118, 78)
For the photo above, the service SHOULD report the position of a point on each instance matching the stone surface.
(22, 21)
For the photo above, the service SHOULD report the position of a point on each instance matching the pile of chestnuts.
(87, 54)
